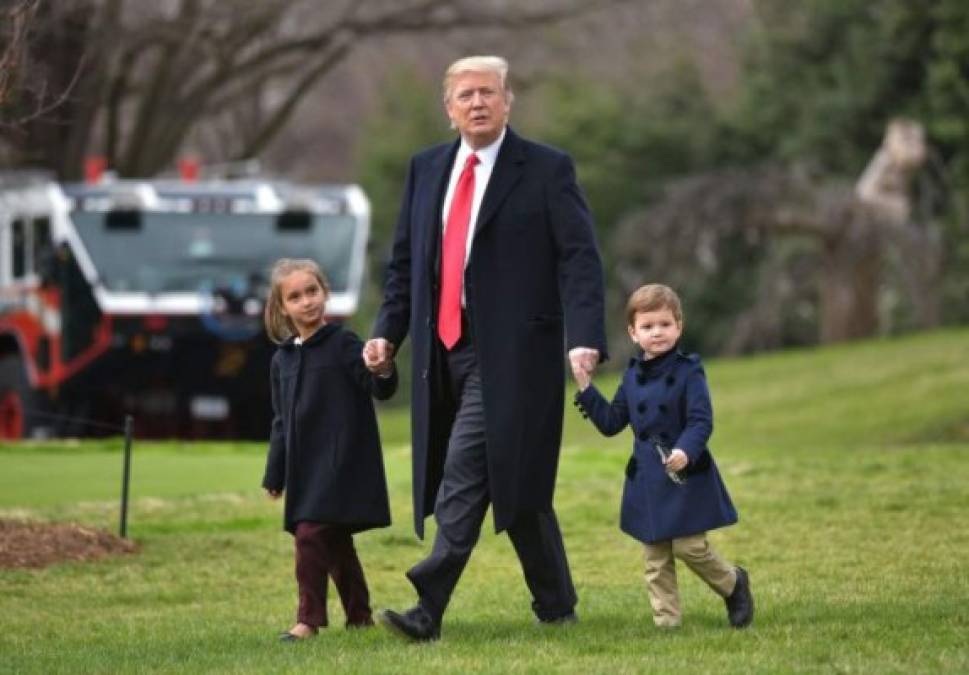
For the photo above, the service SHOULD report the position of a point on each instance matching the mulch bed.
(31, 544)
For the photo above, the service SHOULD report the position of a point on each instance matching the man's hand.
(677, 460)
(378, 356)
(274, 494)
(583, 361)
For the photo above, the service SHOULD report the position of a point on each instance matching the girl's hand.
(677, 460)
(274, 494)
(378, 356)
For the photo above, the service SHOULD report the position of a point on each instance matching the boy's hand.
(274, 494)
(582, 377)
(677, 460)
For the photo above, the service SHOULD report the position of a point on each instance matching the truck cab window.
(19, 235)
(43, 248)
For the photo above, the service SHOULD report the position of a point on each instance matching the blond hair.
(653, 297)
(279, 327)
(478, 64)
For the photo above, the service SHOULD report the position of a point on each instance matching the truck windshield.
(170, 252)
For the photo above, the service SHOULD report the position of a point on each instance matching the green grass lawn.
(849, 466)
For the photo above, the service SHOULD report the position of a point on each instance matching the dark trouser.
(462, 501)
(324, 551)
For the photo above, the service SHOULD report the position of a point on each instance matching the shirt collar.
(487, 156)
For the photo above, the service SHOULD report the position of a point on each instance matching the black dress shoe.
(415, 624)
(569, 617)
(740, 603)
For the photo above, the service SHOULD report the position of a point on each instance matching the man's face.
(478, 107)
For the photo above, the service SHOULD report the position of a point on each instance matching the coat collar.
(653, 367)
(439, 171)
(508, 170)
(320, 335)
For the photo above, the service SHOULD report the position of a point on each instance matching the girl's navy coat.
(664, 399)
(324, 447)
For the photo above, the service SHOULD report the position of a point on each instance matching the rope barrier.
(30, 412)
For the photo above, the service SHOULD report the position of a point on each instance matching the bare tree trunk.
(151, 72)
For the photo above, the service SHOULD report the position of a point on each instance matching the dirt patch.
(29, 544)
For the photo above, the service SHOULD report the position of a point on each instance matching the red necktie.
(452, 256)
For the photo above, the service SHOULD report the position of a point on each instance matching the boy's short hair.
(652, 297)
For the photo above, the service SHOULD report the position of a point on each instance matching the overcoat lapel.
(508, 170)
(440, 170)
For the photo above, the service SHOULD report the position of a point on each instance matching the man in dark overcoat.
(494, 272)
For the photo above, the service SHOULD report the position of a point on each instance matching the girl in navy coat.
(673, 492)
(324, 446)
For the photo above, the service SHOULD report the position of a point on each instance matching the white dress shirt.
(482, 174)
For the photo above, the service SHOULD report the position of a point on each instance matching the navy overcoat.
(664, 400)
(324, 445)
(534, 287)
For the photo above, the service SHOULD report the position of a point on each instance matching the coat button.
(643, 436)
(662, 408)
(670, 380)
(641, 407)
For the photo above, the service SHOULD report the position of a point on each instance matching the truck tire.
(19, 404)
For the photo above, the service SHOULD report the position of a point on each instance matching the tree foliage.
(824, 77)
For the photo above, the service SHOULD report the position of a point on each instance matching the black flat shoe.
(291, 637)
(415, 624)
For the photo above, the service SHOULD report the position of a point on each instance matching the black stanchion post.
(128, 427)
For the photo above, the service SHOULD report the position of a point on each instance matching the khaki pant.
(700, 557)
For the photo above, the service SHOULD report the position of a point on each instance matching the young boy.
(673, 492)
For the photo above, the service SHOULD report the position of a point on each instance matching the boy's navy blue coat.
(665, 398)
(324, 447)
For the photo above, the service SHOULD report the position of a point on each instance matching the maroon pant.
(324, 551)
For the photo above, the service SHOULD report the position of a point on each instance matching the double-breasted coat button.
(662, 408)
(670, 380)
(643, 436)
(641, 407)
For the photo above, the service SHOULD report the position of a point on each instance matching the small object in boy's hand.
(664, 454)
